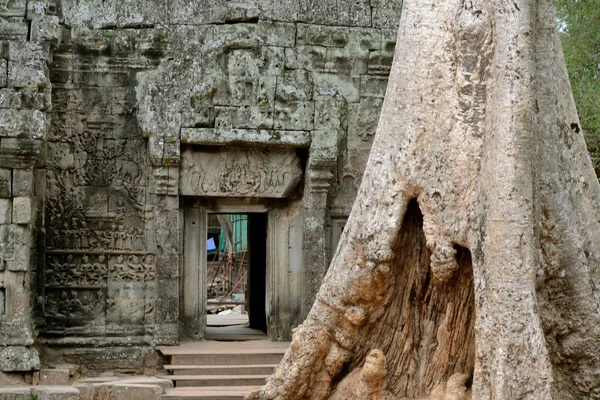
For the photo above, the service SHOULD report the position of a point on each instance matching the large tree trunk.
(473, 245)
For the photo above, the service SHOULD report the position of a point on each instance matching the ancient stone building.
(123, 123)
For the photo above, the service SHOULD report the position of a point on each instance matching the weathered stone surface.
(54, 376)
(132, 391)
(163, 384)
(244, 136)
(16, 329)
(22, 183)
(18, 358)
(22, 123)
(3, 73)
(21, 213)
(12, 379)
(15, 393)
(331, 85)
(380, 62)
(55, 393)
(5, 183)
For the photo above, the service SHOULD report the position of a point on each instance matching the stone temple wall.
(100, 96)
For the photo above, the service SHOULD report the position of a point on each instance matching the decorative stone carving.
(239, 172)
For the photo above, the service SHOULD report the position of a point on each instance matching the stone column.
(25, 100)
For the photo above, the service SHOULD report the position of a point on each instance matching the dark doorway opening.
(236, 276)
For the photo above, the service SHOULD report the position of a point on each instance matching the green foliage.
(579, 23)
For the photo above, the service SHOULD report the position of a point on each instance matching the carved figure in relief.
(108, 240)
(119, 269)
(98, 273)
(86, 271)
(57, 239)
(84, 234)
(75, 235)
(138, 241)
(52, 308)
(76, 305)
(120, 209)
(67, 233)
(76, 276)
(239, 172)
(149, 267)
(136, 269)
(53, 272)
(120, 237)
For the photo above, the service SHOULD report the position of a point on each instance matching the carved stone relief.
(239, 172)
(97, 265)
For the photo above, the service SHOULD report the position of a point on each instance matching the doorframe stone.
(194, 299)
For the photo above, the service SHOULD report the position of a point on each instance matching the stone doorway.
(236, 276)
(197, 278)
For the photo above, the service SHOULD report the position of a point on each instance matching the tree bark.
(473, 246)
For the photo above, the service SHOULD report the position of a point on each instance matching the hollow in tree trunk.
(470, 259)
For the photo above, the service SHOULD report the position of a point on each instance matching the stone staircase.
(220, 370)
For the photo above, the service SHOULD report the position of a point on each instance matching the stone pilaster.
(30, 34)
(330, 129)
(165, 226)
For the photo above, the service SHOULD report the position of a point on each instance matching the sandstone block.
(380, 62)
(15, 330)
(347, 62)
(14, 29)
(247, 117)
(330, 85)
(55, 376)
(32, 73)
(10, 98)
(310, 58)
(131, 391)
(55, 393)
(19, 358)
(373, 86)
(21, 213)
(22, 183)
(22, 123)
(148, 380)
(295, 85)
(321, 35)
(330, 115)
(12, 379)
(15, 393)
(86, 391)
(294, 115)
(387, 16)
(5, 211)
(5, 182)
(21, 51)
(46, 29)
(3, 72)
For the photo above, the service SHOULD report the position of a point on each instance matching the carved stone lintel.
(240, 172)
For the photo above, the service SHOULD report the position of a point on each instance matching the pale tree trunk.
(474, 243)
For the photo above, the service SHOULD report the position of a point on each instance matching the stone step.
(227, 359)
(218, 380)
(251, 369)
(40, 392)
(226, 353)
(208, 393)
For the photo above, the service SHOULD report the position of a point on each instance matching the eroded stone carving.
(239, 172)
